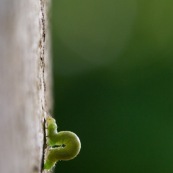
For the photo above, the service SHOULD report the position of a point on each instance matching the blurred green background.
(113, 83)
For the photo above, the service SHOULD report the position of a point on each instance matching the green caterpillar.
(64, 145)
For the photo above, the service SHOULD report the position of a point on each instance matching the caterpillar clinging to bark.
(64, 145)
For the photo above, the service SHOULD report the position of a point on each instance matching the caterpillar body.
(64, 145)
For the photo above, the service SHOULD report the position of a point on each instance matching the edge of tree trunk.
(25, 84)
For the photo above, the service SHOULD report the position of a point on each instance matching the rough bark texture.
(25, 80)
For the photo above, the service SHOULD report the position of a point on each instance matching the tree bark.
(25, 84)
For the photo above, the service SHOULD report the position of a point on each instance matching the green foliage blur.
(113, 83)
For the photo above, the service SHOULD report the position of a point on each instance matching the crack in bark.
(42, 66)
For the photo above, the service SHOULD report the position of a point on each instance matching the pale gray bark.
(25, 95)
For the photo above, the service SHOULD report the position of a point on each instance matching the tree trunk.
(25, 80)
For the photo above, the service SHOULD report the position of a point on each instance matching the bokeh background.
(113, 83)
